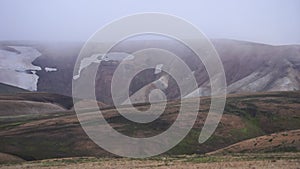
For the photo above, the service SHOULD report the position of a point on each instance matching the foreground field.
(267, 160)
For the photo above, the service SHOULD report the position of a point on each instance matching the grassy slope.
(63, 101)
(33, 103)
(60, 135)
(8, 89)
(15, 107)
(17, 101)
(12, 93)
(7, 158)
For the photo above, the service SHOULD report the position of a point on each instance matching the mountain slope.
(249, 67)
(252, 67)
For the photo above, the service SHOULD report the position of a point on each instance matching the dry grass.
(282, 141)
(274, 161)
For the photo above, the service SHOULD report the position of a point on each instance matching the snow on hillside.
(16, 67)
(98, 58)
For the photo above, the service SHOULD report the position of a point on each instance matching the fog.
(268, 21)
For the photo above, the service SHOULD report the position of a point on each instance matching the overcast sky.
(265, 21)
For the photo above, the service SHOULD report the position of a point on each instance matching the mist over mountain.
(249, 67)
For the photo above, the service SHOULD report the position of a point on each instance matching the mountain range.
(248, 66)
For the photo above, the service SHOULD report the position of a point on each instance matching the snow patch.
(158, 68)
(17, 69)
(49, 69)
(98, 58)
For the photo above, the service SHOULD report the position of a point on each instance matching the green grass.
(188, 145)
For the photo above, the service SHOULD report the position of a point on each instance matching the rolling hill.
(246, 116)
(17, 101)
(8, 89)
(287, 141)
